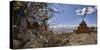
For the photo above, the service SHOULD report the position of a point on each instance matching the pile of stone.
(82, 28)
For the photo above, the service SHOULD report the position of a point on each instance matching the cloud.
(90, 10)
(55, 9)
(85, 10)
(62, 25)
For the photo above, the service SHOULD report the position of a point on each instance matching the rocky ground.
(54, 40)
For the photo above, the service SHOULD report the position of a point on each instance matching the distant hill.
(63, 29)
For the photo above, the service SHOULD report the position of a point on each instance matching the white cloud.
(55, 9)
(62, 25)
(90, 10)
(83, 10)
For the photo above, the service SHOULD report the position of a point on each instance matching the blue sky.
(67, 15)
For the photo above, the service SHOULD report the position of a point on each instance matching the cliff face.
(27, 22)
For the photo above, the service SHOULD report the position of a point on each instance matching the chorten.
(82, 28)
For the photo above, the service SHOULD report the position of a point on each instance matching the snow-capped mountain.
(62, 28)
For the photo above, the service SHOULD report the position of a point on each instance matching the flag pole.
(85, 13)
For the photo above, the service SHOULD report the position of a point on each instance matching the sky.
(68, 14)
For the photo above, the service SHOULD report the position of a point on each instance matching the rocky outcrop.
(82, 28)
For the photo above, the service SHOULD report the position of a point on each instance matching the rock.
(16, 44)
(80, 39)
(82, 28)
(34, 43)
(53, 40)
(28, 35)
